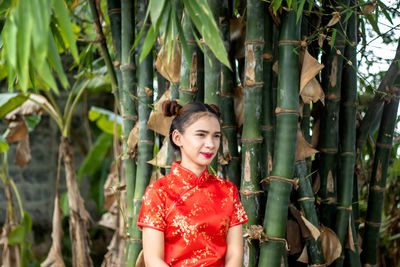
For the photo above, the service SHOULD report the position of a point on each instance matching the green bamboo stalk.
(347, 135)
(187, 82)
(146, 137)
(129, 115)
(229, 127)
(251, 134)
(200, 76)
(378, 178)
(329, 130)
(171, 155)
(273, 251)
(352, 258)
(307, 203)
(267, 117)
(114, 13)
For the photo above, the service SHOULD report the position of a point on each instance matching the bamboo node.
(318, 265)
(191, 41)
(374, 224)
(267, 56)
(130, 117)
(114, 10)
(348, 154)
(329, 200)
(257, 232)
(329, 150)
(305, 199)
(279, 110)
(250, 83)
(378, 188)
(252, 140)
(188, 90)
(388, 146)
(294, 181)
(227, 94)
(290, 42)
(146, 141)
(124, 67)
(344, 208)
(129, 239)
(247, 193)
(267, 127)
(254, 42)
(235, 158)
(229, 126)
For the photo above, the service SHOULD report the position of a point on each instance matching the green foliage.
(10, 101)
(3, 144)
(105, 120)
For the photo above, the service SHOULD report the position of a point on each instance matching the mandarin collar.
(187, 175)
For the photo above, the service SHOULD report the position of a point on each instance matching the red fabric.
(194, 213)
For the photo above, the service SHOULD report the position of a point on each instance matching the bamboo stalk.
(273, 251)
(114, 13)
(347, 135)
(129, 115)
(329, 130)
(229, 127)
(378, 177)
(251, 134)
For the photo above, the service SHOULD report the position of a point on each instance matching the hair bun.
(216, 109)
(171, 108)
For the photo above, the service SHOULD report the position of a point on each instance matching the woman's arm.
(153, 247)
(234, 251)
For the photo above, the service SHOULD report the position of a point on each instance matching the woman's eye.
(217, 136)
(200, 134)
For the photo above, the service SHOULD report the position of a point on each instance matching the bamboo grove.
(284, 75)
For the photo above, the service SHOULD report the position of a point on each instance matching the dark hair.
(186, 114)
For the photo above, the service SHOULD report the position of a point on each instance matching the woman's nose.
(210, 142)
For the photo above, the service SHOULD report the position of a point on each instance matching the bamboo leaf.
(289, 3)
(65, 24)
(276, 4)
(10, 34)
(47, 76)
(11, 101)
(300, 10)
(384, 11)
(3, 144)
(148, 42)
(184, 45)
(203, 19)
(333, 38)
(156, 8)
(41, 16)
(105, 119)
(97, 153)
(55, 61)
(374, 23)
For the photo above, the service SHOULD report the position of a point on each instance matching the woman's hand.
(153, 247)
(234, 251)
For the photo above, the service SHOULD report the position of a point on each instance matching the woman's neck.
(196, 169)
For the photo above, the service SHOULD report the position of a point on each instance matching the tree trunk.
(287, 114)
(78, 215)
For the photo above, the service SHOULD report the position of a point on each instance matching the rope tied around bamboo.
(294, 181)
(256, 232)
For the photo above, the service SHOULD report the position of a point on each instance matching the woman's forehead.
(206, 122)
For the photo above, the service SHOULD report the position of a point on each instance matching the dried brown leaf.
(312, 91)
(315, 133)
(312, 228)
(334, 70)
(239, 104)
(140, 260)
(133, 138)
(293, 237)
(250, 77)
(368, 9)
(193, 74)
(335, 19)
(10, 254)
(303, 148)
(224, 157)
(169, 67)
(330, 245)
(350, 241)
(317, 184)
(297, 215)
(18, 130)
(23, 153)
(310, 68)
(321, 39)
(275, 67)
(161, 159)
(304, 256)
(157, 121)
(110, 218)
(30, 107)
(330, 185)
(110, 187)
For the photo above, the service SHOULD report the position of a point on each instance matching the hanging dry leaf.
(304, 256)
(334, 70)
(18, 130)
(312, 228)
(110, 187)
(321, 39)
(317, 184)
(133, 138)
(293, 237)
(193, 74)
(10, 254)
(310, 68)
(330, 245)
(239, 104)
(54, 258)
(368, 9)
(315, 133)
(275, 67)
(169, 67)
(155, 176)
(157, 121)
(335, 19)
(312, 91)
(350, 241)
(161, 159)
(30, 107)
(303, 148)
(110, 218)
(224, 157)
(140, 260)
(23, 153)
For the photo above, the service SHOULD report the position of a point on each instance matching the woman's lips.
(207, 155)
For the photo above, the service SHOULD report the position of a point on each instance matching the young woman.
(191, 217)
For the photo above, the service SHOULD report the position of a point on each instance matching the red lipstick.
(207, 155)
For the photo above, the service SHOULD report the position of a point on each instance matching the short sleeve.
(238, 214)
(152, 212)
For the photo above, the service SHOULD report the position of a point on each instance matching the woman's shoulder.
(223, 182)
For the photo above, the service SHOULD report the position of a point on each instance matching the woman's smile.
(207, 155)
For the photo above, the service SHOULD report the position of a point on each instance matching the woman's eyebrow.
(204, 131)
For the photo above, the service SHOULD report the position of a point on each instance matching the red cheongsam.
(194, 213)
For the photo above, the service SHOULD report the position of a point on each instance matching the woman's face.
(199, 143)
